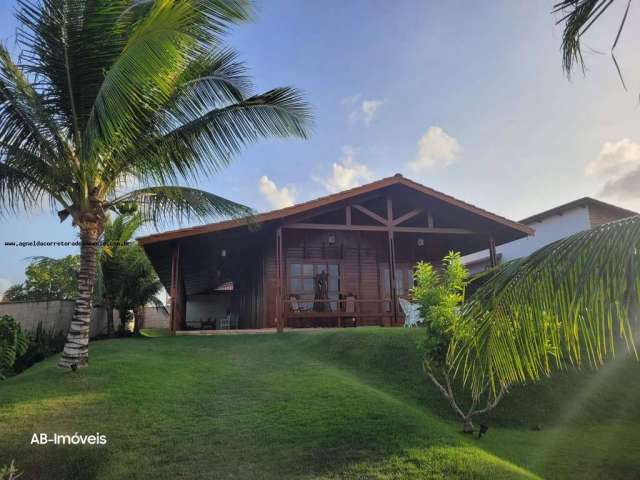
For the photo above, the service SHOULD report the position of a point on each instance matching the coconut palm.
(110, 94)
(571, 303)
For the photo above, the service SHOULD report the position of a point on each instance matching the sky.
(468, 98)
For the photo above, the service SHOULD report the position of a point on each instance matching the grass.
(348, 404)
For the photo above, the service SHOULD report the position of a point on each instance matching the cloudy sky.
(466, 97)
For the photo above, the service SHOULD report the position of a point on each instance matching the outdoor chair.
(411, 313)
(224, 323)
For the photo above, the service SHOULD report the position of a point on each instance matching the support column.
(279, 290)
(392, 278)
(392, 264)
(493, 257)
(174, 293)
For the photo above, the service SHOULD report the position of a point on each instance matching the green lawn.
(330, 404)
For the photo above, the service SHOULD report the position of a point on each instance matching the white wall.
(546, 231)
(202, 307)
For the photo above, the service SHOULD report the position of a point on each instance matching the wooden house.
(356, 247)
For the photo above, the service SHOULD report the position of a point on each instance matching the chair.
(411, 313)
(224, 323)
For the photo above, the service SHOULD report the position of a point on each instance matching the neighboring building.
(551, 225)
(341, 259)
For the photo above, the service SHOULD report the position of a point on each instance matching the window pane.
(296, 269)
(295, 284)
(307, 270)
(333, 284)
(321, 268)
(333, 271)
(308, 284)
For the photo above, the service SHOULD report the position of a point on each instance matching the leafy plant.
(9, 472)
(42, 344)
(110, 94)
(13, 343)
(570, 303)
(440, 294)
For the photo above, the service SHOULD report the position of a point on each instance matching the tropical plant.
(47, 279)
(440, 295)
(43, 342)
(116, 238)
(114, 93)
(578, 16)
(10, 472)
(138, 285)
(13, 343)
(571, 303)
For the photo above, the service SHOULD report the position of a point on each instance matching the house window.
(301, 282)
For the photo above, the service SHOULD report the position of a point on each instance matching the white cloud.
(615, 159)
(617, 166)
(346, 173)
(277, 197)
(436, 149)
(364, 110)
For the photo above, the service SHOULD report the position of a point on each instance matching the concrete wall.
(200, 308)
(546, 231)
(57, 314)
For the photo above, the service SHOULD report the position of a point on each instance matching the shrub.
(42, 344)
(9, 472)
(13, 343)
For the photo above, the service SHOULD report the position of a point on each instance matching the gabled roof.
(299, 208)
(580, 202)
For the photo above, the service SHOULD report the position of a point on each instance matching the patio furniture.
(411, 313)
(223, 323)
(234, 320)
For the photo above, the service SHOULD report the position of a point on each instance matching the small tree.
(440, 295)
(48, 279)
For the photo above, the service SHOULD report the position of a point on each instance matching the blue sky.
(466, 97)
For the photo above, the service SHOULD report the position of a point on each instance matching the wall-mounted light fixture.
(332, 239)
(421, 242)
(223, 253)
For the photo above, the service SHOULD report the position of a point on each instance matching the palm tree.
(116, 237)
(571, 303)
(113, 93)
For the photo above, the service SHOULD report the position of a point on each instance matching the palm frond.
(568, 304)
(21, 192)
(578, 16)
(68, 46)
(208, 143)
(165, 205)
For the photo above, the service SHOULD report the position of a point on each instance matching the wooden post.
(392, 264)
(347, 215)
(493, 257)
(279, 270)
(174, 293)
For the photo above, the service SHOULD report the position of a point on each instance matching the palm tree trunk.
(76, 348)
(138, 319)
(108, 305)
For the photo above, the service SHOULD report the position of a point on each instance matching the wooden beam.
(407, 216)
(392, 278)
(389, 210)
(371, 214)
(174, 293)
(347, 214)
(279, 272)
(430, 219)
(493, 257)
(381, 228)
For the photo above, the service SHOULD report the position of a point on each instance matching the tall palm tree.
(573, 302)
(110, 93)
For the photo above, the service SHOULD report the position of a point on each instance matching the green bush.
(42, 344)
(13, 343)
(9, 472)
